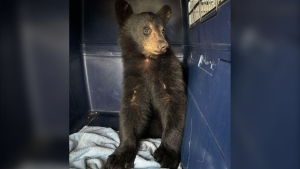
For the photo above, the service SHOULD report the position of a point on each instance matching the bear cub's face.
(146, 29)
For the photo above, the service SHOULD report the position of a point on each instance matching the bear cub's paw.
(123, 160)
(167, 158)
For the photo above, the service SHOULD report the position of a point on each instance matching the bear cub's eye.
(147, 31)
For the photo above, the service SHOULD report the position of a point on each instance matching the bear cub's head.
(146, 29)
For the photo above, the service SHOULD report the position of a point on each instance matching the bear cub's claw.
(167, 158)
(120, 161)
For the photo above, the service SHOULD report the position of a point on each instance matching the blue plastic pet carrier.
(199, 34)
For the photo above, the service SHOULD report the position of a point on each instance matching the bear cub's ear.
(165, 13)
(123, 10)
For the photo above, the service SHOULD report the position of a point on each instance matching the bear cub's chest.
(152, 68)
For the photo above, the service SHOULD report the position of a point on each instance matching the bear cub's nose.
(163, 47)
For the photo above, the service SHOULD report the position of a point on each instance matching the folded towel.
(91, 146)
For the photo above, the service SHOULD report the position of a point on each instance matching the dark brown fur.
(154, 99)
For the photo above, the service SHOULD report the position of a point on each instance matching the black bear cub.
(154, 98)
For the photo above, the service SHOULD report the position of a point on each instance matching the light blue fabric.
(91, 146)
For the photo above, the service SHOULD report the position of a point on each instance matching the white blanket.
(91, 146)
